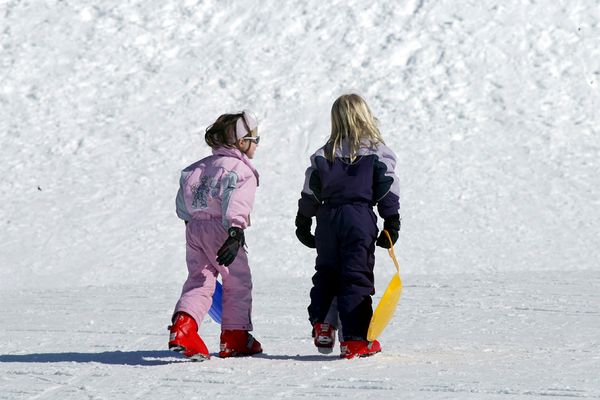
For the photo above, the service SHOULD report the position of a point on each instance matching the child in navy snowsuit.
(348, 176)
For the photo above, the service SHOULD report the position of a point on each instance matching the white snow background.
(491, 106)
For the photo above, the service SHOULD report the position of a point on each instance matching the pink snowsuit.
(215, 194)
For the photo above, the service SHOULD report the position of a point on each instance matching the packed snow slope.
(490, 106)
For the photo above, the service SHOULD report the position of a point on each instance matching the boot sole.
(368, 354)
(325, 350)
(196, 357)
(324, 346)
(365, 355)
(236, 354)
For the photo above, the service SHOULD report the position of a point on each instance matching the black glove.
(229, 250)
(392, 225)
(303, 231)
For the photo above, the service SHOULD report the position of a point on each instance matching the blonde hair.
(352, 119)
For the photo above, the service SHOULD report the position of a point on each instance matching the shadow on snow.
(142, 357)
(147, 358)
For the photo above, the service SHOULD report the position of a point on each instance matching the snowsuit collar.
(343, 149)
(236, 153)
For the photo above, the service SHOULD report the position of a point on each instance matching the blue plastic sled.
(216, 307)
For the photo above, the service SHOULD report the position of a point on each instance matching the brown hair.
(222, 132)
(351, 119)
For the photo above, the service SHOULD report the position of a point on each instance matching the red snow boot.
(359, 348)
(324, 335)
(184, 338)
(238, 343)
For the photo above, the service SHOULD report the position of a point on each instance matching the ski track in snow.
(491, 107)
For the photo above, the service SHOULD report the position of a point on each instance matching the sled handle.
(391, 251)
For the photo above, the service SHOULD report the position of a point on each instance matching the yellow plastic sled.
(387, 305)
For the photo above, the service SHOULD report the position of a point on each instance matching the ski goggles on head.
(247, 123)
(255, 139)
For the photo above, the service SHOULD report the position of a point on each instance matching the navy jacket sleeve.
(386, 189)
(310, 198)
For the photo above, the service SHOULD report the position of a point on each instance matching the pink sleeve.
(238, 199)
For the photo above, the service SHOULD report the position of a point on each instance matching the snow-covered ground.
(462, 336)
(491, 107)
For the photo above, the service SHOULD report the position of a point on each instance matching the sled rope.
(391, 252)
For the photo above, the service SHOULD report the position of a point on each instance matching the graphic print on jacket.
(202, 191)
(369, 179)
(221, 186)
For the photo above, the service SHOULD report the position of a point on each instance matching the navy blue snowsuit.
(342, 194)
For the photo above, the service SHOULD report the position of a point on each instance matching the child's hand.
(229, 250)
(392, 226)
(303, 231)
(383, 241)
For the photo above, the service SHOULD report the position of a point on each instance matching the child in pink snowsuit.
(215, 199)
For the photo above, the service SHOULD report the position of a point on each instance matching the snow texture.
(491, 107)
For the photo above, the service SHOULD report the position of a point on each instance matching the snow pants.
(345, 238)
(204, 237)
